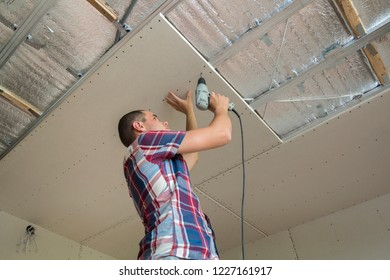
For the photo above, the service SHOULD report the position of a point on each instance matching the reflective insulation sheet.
(61, 48)
(288, 50)
(373, 12)
(13, 123)
(118, 6)
(34, 77)
(382, 45)
(214, 25)
(6, 32)
(324, 94)
(12, 15)
(16, 11)
(69, 40)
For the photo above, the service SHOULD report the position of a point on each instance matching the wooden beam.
(376, 63)
(19, 102)
(352, 17)
(104, 9)
(355, 23)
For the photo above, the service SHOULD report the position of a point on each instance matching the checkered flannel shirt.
(159, 184)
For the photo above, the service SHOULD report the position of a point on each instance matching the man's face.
(153, 123)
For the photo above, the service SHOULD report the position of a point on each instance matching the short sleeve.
(158, 146)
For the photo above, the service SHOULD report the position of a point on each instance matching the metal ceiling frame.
(24, 30)
(332, 60)
(258, 32)
(299, 131)
(124, 18)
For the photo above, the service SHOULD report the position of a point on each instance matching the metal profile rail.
(22, 32)
(333, 59)
(257, 32)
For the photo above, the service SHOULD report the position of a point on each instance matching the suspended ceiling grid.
(215, 204)
(296, 63)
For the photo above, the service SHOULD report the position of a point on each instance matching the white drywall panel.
(226, 224)
(277, 246)
(359, 232)
(50, 246)
(120, 240)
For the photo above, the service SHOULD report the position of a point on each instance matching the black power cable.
(243, 184)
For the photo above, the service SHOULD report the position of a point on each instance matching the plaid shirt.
(160, 186)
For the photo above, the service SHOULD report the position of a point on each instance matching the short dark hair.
(125, 126)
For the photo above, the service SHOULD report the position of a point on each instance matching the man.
(157, 172)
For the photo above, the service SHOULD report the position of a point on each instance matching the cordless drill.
(202, 96)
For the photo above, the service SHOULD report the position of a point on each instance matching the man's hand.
(182, 105)
(218, 103)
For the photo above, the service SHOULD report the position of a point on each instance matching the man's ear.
(138, 126)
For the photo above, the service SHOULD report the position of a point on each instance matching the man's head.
(136, 122)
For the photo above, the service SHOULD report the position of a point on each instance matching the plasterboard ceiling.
(65, 151)
(295, 62)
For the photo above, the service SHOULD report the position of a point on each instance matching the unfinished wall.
(359, 232)
(50, 246)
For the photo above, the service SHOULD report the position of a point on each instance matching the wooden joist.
(104, 9)
(356, 25)
(19, 102)
(352, 17)
(376, 63)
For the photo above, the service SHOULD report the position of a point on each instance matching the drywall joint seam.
(293, 244)
(80, 251)
(237, 165)
(232, 213)
(105, 230)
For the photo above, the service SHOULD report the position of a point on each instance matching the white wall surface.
(50, 246)
(358, 232)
